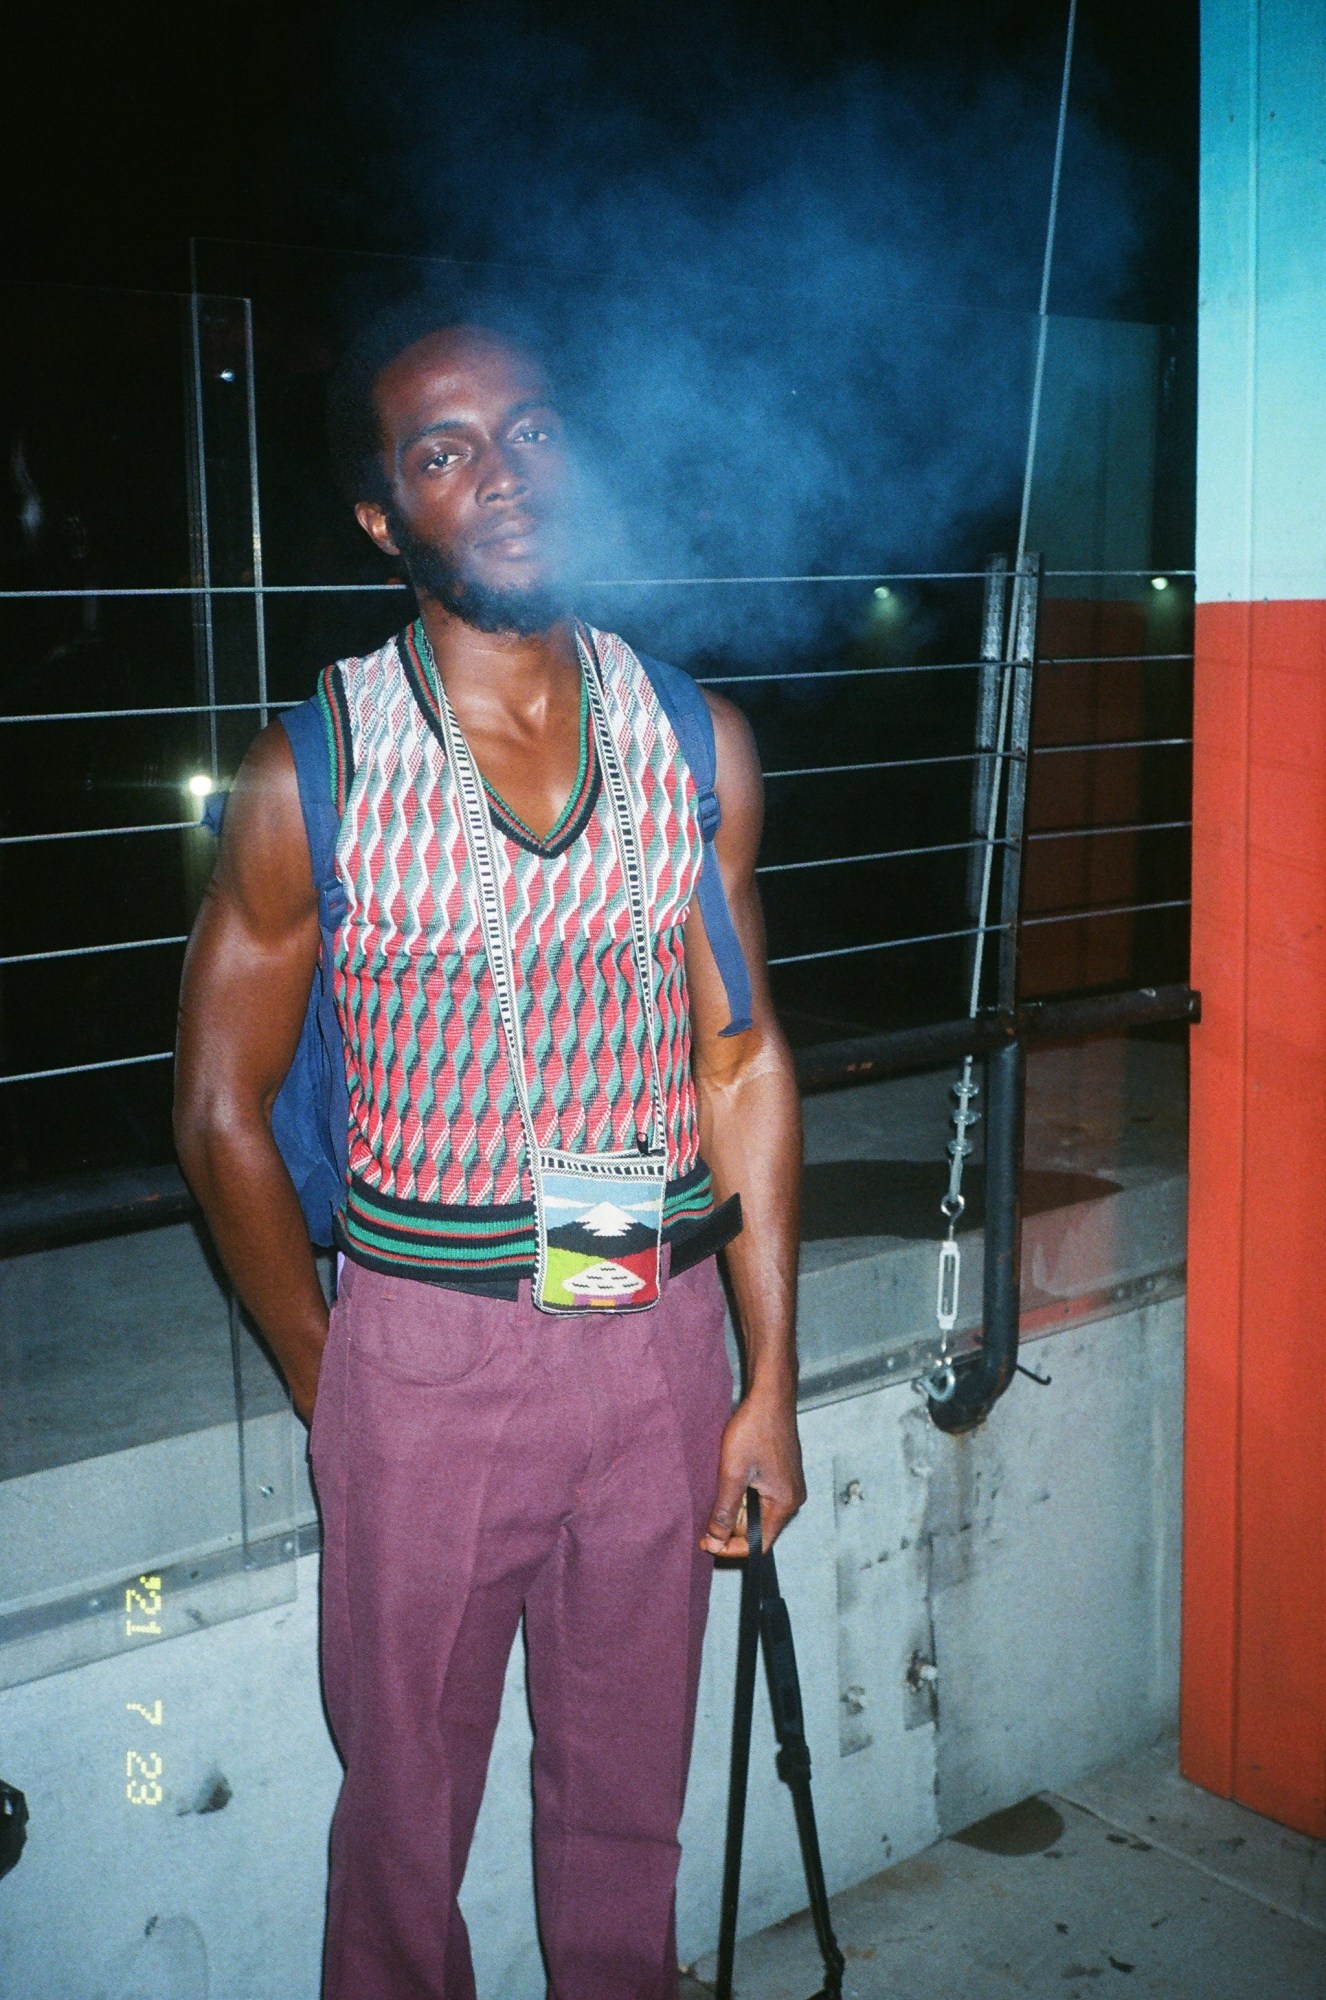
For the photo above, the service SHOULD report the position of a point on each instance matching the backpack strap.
(306, 727)
(687, 710)
(311, 1111)
(307, 731)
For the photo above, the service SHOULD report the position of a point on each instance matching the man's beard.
(485, 607)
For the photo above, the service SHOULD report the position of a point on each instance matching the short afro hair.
(353, 434)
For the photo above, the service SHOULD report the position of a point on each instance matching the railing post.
(1022, 666)
(986, 772)
(982, 1377)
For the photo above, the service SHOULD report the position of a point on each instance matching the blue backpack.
(311, 1113)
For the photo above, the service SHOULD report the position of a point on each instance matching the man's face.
(472, 447)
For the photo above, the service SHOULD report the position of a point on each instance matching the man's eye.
(531, 434)
(442, 458)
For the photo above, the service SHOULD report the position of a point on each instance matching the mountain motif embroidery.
(605, 1254)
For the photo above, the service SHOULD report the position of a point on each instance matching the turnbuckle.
(946, 1298)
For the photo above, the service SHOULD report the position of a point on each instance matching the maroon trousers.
(475, 1459)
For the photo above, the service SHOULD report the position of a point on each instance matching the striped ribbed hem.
(495, 1245)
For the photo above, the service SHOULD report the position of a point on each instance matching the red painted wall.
(1254, 1651)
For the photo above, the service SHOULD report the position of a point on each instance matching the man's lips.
(518, 528)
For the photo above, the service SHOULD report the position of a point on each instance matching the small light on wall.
(882, 592)
(1160, 583)
(200, 785)
(225, 375)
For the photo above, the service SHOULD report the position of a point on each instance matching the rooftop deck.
(1131, 1881)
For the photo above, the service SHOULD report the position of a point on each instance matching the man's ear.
(373, 520)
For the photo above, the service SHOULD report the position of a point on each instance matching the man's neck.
(490, 675)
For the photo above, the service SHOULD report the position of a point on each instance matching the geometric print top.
(439, 1187)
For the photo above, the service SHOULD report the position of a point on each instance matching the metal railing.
(995, 767)
(981, 759)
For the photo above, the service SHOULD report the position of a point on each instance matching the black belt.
(691, 1241)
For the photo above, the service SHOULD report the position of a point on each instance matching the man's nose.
(501, 474)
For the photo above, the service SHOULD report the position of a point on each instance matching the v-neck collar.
(421, 672)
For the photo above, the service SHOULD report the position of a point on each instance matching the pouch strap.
(478, 828)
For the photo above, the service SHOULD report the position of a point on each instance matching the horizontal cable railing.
(800, 676)
(1092, 910)
(884, 854)
(87, 1068)
(886, 944)
(99, 832)
(1112, 743)
(591, 583)
(1091, 832)
(705, 680)
(121, 714)
(89, 950)
(1108, 659)
(879, 764)
(766, 868)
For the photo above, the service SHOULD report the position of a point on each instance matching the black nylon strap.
(764, 1619)
(748, 1645)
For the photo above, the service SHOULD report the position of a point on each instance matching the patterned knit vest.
(439, 1187)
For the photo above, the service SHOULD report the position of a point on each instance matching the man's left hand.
(760, 1449)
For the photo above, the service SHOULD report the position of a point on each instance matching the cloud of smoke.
(793, 317)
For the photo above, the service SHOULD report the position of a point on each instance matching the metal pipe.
(870, 1058)
(123, 1200)
(118, 1202)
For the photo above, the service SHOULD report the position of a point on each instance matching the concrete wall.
(1033, 1565)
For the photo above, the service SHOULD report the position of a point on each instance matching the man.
(477, 1455)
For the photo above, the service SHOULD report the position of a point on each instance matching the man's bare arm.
(750, 1134)
(247, 974)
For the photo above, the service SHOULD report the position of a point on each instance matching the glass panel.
(1108, 827)
(123, 1455)
(149, 1477)
(1112, 493)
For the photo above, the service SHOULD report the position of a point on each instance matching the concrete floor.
(1137, 1883)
